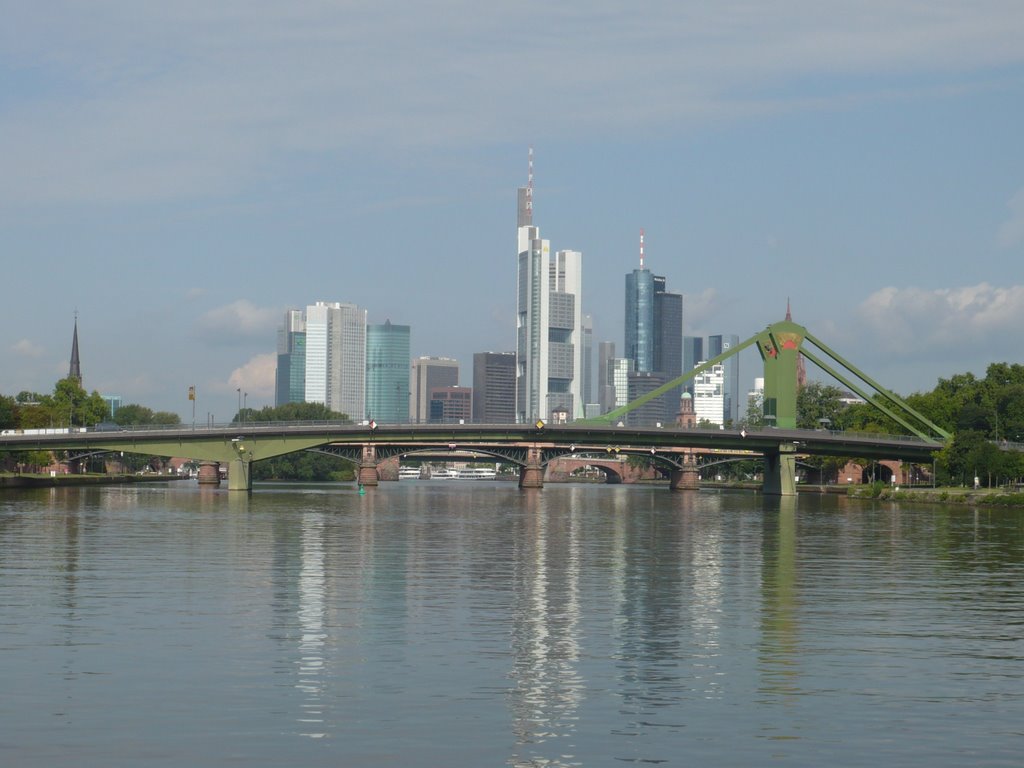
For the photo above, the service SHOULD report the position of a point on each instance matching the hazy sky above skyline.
(181, 174)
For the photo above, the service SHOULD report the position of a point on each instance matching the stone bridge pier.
(685, 478)
(367, 474)
(209, 473)
(531, 474)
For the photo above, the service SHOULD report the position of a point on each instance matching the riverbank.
(967, 496)
(997, 497)
(54, 481)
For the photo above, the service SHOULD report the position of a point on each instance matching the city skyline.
(181, 185)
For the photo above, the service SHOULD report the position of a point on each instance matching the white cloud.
(240, 320)
(256, 378)
(1011, 233)
(918, 320)
(699, 309)
(26, 348)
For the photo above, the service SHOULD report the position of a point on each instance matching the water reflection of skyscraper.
(311, 614)
(670, 566)
(547, 686)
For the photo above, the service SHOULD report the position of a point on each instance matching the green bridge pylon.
(780, 346)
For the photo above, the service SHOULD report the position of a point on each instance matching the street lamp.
(239, 417)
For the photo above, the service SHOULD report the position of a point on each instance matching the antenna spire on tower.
(641, 248)
(529, 186)
(789, 315)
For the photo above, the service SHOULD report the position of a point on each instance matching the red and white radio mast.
(529, 188)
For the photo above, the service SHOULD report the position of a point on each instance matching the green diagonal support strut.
(613, 416)
(886, 394)
(780, 346)
(867, 397)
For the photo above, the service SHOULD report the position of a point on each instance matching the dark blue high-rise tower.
(654, 330)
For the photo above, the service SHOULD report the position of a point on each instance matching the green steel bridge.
(532, 446)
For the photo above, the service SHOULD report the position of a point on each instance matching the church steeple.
(75, 371)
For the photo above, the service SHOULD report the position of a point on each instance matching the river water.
(451, 623)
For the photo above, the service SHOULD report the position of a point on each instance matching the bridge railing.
(275, 425)
(521, 430)
(842, 434)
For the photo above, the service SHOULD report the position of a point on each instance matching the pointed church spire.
(75, 371)
(789, 315)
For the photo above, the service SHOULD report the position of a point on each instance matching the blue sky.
(180, 174)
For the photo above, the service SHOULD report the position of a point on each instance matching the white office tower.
(336, 357)
(565, 335)
(709, 395)
(533, 305)
(620, 369)
(549, 324)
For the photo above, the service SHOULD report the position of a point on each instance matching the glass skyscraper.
(693, 353)
(654, 333)
(387, 373)
(639, 325)
(668, 343)
(290, 382)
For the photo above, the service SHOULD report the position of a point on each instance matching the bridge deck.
(150, 439)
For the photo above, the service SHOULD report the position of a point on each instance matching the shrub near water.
(1003, 500)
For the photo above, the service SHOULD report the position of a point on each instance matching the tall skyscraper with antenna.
(639, 321)
(549, 320)
(653, 331)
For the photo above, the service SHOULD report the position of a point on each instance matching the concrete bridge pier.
(367, 474)
(531, 475)
(780, 471)
(240, 475)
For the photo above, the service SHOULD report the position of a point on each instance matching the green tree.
(294, 412)
(8, 412)
(1010, 410)
(72, 405)
(133, 414)
(960, 457)
(754, 416)
(818, 404)
(304, 465)
(866, 417)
